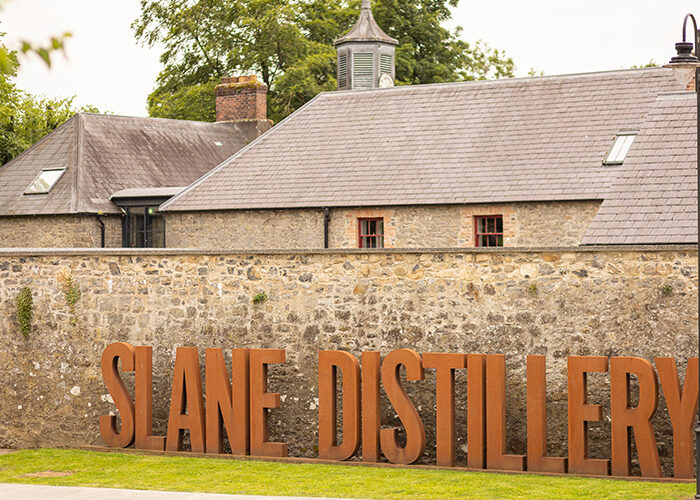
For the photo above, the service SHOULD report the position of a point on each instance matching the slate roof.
(653, 199)
(366, 29)
(103, 154)
(530, 139)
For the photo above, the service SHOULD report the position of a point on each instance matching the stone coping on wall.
(165, 252)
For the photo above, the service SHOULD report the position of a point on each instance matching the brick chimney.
(241, 98)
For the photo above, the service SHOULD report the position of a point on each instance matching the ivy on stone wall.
(24, 305)
(71, 292)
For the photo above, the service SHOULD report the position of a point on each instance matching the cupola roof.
(366, 29)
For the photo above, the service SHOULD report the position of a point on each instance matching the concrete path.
(41, 492)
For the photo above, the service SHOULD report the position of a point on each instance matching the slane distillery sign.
(238, 406)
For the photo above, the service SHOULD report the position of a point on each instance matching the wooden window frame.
(477, 234)
(360, 220)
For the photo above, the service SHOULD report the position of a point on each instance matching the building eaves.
(146, 192)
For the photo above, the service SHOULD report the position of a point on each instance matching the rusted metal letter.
(445, 365)
(115, 385)
(371, 417)
(227, 402)
(145, 440)
(261, 401)
(682, 406)
(186, 403)
(476, 411)
(496, 457)
(638, 420)
(415, 433)
(537, 459)
(580, 413)
(328, 364)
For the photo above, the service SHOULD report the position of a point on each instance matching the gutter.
(326, 223)
(100, 216)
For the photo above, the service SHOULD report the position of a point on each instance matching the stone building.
(97, 180)
(556, 161)
(548, 161)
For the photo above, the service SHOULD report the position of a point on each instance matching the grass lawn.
(121, 470)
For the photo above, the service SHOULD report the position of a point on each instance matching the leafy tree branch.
(289, 44)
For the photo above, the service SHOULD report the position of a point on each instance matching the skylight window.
(45, 181)
(621, 146)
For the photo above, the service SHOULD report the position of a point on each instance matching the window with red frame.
(371, 233)
(489, 231)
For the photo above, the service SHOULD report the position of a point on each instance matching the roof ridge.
(497, 81)
(153, 118)
(75, 199)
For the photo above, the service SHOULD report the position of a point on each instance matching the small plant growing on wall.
(259, 298)
(71, 292)
(667, 290)
(533, 289)
(24, 311)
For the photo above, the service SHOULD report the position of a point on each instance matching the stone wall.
(593, 301)
(280, 229)
(525, 224)
(59, 231)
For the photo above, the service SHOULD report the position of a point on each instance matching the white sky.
(105, 66)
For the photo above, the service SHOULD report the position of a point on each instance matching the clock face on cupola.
(365, 54)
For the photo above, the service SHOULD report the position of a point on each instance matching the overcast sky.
(105, 66)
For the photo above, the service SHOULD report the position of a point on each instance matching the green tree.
(188, 102)
(8, 60)
(650, 64)
(289, 44)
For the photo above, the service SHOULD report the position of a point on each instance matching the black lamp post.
(686, 65)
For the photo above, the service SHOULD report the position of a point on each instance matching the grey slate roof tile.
(103, 154)
(657, 190)
(532, 139)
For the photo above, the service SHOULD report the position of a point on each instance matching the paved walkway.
(41, 492)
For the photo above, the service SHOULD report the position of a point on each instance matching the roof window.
(621, 146)
(45, 181)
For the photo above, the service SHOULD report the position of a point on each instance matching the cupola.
(365, 54)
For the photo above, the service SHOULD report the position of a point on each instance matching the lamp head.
(684, 63)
